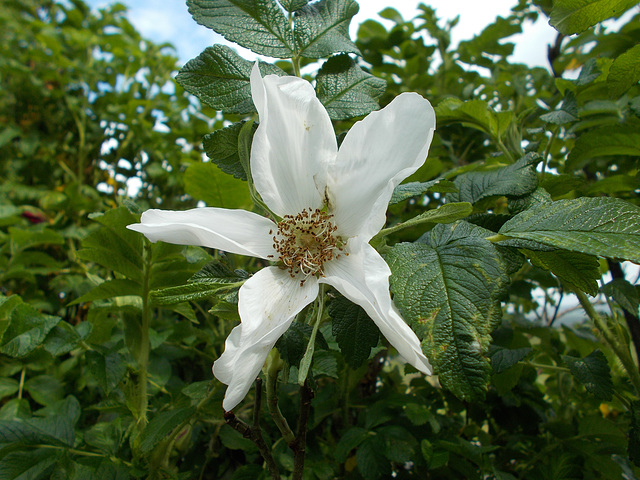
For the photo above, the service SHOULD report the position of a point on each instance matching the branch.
(299, 445)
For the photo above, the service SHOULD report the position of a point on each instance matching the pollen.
(307, 241)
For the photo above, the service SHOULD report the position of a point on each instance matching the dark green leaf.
(625, 294)
(186, 293)
(593, 372)
(447, 286)
(400, 445)
(602, 226)
(221, 147)
(575, 16)
(413, 189)
(624, 72)
(634, 434)
(220, 78)
(218, 272)
(206, 182)
(346, 90)
(490, 42)
(580, 270)
(64, 337)
(475, 114)
(28, 464)
(45, 389)
(603, 142)
(514, 180)
(567, 113)
(161, 425)
(8, 386)
(293, 5)
(110, 289)
(503, 358)
(348, 441)
(27, 330)
(107, 369)
(293, 344)
(354, 330)
(372, 463)
(322, 28)
(259, 25)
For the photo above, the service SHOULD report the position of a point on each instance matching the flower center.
(306, 241)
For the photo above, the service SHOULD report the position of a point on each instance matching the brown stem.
(254, 433)
(632, 321)
(300, 443)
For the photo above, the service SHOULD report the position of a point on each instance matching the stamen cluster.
(306, 241)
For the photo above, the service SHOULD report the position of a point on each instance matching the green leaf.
(8, 386)
(107, 369)
(190, 292)
(413, 189)
(354, 330)
(475, 114)
(293, 344)
(293, 5)
(399, 445)
(624, 72)
(580, 270)
(634, 434)
(45, 389)
(29, 464)
(593, 372)
(575, 16)
(350, 440)
(118, 287)
(372, 464)
(504, 358)
(221, 147)
(219, 77)
(27, 330)
(22, 239)
(489, 43)
(206, 182)
(603, 142)
(625, 294)
(259, 25)
(322, 28)
(602, 226)
(447, 286)
(64, 337)
(161, 426)
(514, 180)
(346, 90)
(218, 272)
(567, 113)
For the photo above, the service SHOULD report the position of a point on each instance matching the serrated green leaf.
(593, 372)
(602, 226)
(624, 72)
(218, 272)
(575, 16)
(475, 114)
(190, 292)
(107, 369)
(29, 464)
(161, 425)
(219, 77)
(110, 289)
(346, 90)
(625, 294)
(567, 113)
(21, 239)
(371, 464)
(293, 344)
(514, 180)
(354, 330)
(399, 445)
(221, 147)
(45, 389)
(413, 189)
(293, 5)
(348, 441)
(603, 142)
(26, 331)
(580, 270)
(447, 287)
(64, 337)
(208, 183)
(322, 28)
(490, 42)
(259, 25)
(504, 358)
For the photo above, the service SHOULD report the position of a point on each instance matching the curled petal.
(292, 145)
(363, 277)
(375, 156)
(267, 303)
(234, 231)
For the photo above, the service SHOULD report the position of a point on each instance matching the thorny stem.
(143, 357)
(621, 352)
(300, 443)
(272, 398)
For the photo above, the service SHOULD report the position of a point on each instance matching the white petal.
(363, 277)
(267, 303)
(375, 156)
(234, 231)
(293, 144)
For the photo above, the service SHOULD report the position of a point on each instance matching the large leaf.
(447, 286)
(259, 25)
(219, 77)
(603, 142)
(602, 226)
(354, 330)
(221, 147)
(582, 271)
(624, 72)
(346, 90)
(206, 182)
(575, 16)
(514, 180)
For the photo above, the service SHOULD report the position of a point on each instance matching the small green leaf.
(107, 369)
(348, 441)
(567, 113)
(515, 180)
(293, 5)
(346, 90)
(190, 292)
(602, 226)
(206, 182)
(624, 72)
(593, 372)
(575, 16)
(475, 114)
(110, 289)
(447, 286)
(27, 330)
(625, 294)
(259, 25)
(293, 344)
(413, 189)
(219, 77)
(161, 425)
(8, 386)
(322, 28)
(504, 358)
(580, 270)
(218, 272)
(603, 142)
(221, 147)
(64, 337)
(354, 330)
(372, 464)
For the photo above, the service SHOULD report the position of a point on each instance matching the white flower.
(332, 202)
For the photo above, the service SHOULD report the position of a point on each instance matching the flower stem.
(305, 363)
(272, 397)
(300, 444)
(143, 357)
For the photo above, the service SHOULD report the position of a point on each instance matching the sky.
(171, 22)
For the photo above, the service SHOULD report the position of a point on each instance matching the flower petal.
(363, 277)
(293, 144)
(375, 156)
(234, 231)
(267, 303)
